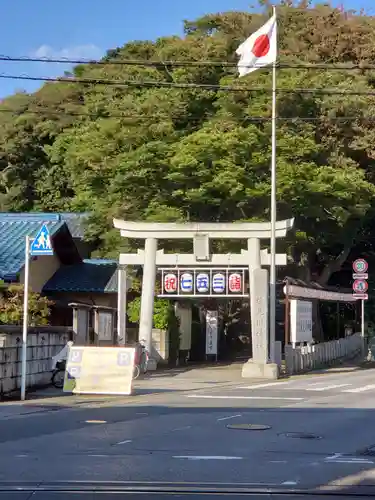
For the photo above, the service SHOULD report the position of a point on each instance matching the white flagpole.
(25, 319)
(273, 220)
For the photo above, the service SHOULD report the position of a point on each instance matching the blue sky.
(87, 28)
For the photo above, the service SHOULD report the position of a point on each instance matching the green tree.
(197, 154)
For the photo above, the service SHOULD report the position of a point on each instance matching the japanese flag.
(260, 49)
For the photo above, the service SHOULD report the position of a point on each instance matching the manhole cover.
(300, 435)
(249, 427)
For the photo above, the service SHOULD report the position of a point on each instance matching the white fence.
(305, 358)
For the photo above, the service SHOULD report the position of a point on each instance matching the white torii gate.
(201, 234)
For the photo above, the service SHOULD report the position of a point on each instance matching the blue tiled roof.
(13, 231)
(74, 221)
(92, 276)
(15, 226)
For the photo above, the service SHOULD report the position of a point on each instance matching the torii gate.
(201, 234)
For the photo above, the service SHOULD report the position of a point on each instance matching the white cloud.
(89, 51)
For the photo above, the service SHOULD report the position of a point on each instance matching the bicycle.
(58, 374)
(141, 360)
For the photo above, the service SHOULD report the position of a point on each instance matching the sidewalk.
(157, 383)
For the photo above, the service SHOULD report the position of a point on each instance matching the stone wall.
(42, 344)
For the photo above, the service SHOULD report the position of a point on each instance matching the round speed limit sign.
(360, 266)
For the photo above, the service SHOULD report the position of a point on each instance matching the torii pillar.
(201, 234)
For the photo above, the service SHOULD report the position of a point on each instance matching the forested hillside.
(149, 142)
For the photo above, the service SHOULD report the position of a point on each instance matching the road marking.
(327, 387)
(199, 396)
(289, 483)
(182, 428)
(228, 418)
(141, 413)
(340, 458)
(125, 442)
(260, 386)
(96, 421)
(361, 389)
(203, 457)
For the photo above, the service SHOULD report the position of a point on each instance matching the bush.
(11, 306)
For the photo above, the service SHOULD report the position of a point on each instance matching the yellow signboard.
(99, 370)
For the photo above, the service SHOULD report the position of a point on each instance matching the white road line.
(289, 483)
(228, 418)
(340, 458)
(361, 389)
(201, 396)
(261, 386)
(327, 387)
(125, 442)
(202, 457)
(182, 428)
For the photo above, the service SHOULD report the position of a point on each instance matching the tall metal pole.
(25, 318)
(273, 223)
(363, 318)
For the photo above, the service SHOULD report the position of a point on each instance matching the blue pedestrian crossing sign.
(42, 243)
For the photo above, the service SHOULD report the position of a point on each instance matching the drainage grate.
(249, 427)
(300, 435)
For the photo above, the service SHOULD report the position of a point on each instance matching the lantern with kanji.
(170, 283)
(235, 283)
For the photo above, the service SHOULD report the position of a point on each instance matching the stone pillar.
(121, 305)
(258, 366)
(253, 247)
(147, 299)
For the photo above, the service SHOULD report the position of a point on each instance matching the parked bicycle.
(58, 374)
(141, 359)
(59, 367)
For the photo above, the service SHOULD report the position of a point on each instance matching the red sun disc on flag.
(261, 46)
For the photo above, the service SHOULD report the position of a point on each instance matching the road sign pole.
(363, 318)
(25, 318)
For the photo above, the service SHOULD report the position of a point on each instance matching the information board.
(99, 370)
(301, 321)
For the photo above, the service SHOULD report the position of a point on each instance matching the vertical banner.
(211, 332)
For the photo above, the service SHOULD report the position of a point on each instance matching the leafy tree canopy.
(11, 306)
(200, 154)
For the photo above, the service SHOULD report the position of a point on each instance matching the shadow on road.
(324, 450)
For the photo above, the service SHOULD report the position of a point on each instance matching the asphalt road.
(319, 433)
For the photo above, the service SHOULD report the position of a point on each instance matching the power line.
(252, 119)
(191, 63)
(204, 86)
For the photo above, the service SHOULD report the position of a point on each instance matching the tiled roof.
(74, 221)
(93, 275)
(13, 231)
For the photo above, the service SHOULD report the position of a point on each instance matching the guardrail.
(310, 357)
